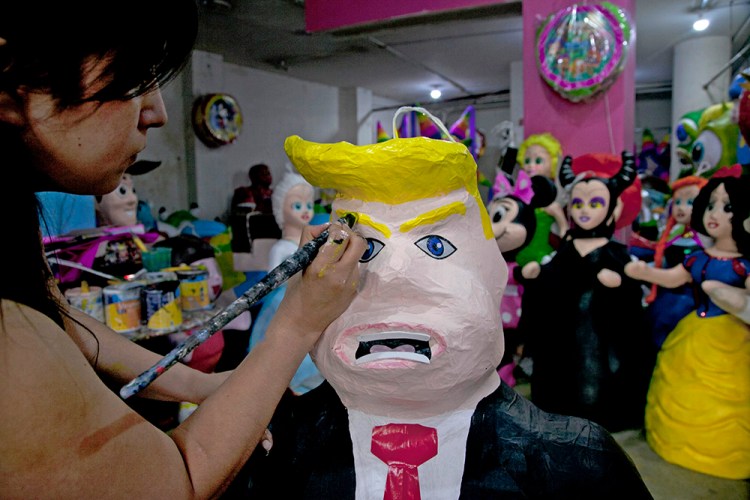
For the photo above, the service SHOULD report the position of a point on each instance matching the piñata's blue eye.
(435, 246)
(373, 248)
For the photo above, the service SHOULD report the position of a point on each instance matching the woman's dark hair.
(144, 47)
(47, 46)
(738, 190)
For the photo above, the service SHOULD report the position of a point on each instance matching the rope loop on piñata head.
(435, 120)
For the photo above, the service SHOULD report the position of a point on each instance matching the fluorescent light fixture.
(435, 94)
(701, 24)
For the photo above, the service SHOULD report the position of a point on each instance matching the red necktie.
(403, 447)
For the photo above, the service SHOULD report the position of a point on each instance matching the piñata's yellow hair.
(548, 142)
(392, 172)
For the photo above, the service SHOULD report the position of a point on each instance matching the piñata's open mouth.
(394, 345)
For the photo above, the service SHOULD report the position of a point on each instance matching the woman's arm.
(65, 434)
(248, 398)
(118, 360)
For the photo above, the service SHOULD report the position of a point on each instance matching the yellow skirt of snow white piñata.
(698, 410)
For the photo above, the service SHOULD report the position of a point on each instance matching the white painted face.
(682, 204)
(298, 208)
(424, 333)
(120, 207)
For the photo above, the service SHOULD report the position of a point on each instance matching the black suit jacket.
(514, 450)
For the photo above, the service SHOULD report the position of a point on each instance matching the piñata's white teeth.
(378, 356)
(371, 337)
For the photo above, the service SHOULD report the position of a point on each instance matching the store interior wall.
(275, 106)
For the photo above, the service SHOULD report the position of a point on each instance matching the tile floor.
(667, 481)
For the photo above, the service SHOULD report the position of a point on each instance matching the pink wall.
(580, 127)
(321, 15)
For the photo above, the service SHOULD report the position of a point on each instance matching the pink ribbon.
(521, 190)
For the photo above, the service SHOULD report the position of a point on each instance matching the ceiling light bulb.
(435, 94)
(701, 24)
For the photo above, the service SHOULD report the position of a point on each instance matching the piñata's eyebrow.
(366, 220)
(433, 216)
(599, 199)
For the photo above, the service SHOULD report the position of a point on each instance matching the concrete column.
(696, 61)
(516, 99)
(355, 120)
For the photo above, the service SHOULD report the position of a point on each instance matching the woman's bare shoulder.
(56, 416)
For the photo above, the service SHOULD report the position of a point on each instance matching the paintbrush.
(276, 277)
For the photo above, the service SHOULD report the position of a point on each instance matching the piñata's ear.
(545, 191)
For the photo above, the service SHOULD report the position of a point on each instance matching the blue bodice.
(702, 267)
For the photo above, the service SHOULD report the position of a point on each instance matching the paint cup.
(88, 300)
(122, 307)
(160, 302)
(157, 258)
(194, 289)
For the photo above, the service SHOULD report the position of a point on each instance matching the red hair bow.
(727, 171)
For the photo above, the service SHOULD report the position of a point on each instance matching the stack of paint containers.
(153, 305)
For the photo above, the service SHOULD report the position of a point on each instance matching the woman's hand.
(318, 295)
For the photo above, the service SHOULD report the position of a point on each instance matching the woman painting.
(78, 97)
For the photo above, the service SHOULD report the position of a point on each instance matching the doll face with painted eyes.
(589, 201)
(537, 161)
(682, 203)
(717, 218)
(298, 207)
(509, 234)
(120, 207)
(424, 331)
